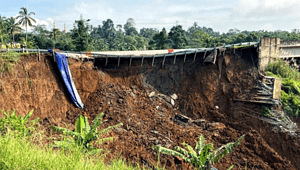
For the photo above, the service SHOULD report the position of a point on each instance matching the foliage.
(80, 35)
(160, 41)
(18, 124)
(290, 93)
(17, 153)
(7, 60)
(25, 18)
(203, 156)
(265, 111)
(84, 134)
(280, 68)
(178, 37)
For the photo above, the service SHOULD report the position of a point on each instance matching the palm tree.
(13, 27)
(25, 18)
(3, 34)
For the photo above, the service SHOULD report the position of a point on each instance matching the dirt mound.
(165, 105)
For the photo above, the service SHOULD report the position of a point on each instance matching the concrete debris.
(172, 102)
(152, 94)
(174, 96)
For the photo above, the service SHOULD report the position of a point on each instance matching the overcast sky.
(218, 14)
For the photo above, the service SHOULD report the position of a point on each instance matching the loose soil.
(140, 98)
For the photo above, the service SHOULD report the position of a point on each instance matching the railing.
(102, 55)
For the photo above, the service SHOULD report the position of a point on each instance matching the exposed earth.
(165, 105)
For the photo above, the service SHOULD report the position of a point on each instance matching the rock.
(152, 94)
(174, 96)
(215, 126)
(172, 102)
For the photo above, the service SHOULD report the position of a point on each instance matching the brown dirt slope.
(139, 97)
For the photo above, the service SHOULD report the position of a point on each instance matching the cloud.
(217, 14)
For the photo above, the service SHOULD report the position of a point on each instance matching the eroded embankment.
(139, 97)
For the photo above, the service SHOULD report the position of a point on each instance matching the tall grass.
(290, 93)
(281, 69)
(8, 60)
(17, 153)
(27, 151)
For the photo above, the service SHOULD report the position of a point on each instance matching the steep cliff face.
(165, 105)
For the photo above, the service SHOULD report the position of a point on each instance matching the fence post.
(53, 55)
(39, 55)
(23, 49)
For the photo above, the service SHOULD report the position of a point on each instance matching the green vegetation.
(17, 124)
(22, 147)
(8, 60)
(265, 111)
(17, 153)
(25, 18)
(203, 156)
(106, 36)
(84, 134)
(290, 94)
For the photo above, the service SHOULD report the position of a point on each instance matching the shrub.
(8, 60)
(265, 111)
(20, 125)
(84, 134)
(203, 156)
(290, 93)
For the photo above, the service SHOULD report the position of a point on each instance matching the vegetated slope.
(139, 97)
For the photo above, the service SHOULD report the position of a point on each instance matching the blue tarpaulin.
(63, 67)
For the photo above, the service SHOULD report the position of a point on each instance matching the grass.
(18, 153)
(290, 93)
(8, 60)
(30, 152)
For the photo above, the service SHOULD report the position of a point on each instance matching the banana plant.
(203, 156)
(84, 134)
(16, 123)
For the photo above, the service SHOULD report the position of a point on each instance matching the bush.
(84, 134)
(17, 124)
(290, 93)
(203, 156)
(7, 60)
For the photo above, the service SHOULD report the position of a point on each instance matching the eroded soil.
(140, 98)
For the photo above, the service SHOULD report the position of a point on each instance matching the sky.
(217, 14)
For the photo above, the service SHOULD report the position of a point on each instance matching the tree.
(198, 39)
(129, 27)
(81, 36)
(13, 27)
(108, 31)
(178, 37)
(3, 34)
(148, 32)
(25, 18)
(160, 41)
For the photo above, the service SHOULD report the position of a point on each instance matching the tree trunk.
(26, 33)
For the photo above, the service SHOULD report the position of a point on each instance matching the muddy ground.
(141, 98)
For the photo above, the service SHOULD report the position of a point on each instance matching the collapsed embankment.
(140, 98)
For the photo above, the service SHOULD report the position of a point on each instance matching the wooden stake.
(39, 55)
(142, 61)
(153, 61)
(130, 61)
(118, 61)
(184, 57)
(106, 60)
(204, 55)
(164, 60)
(195, 55)
(53, 55)
(175, 58)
